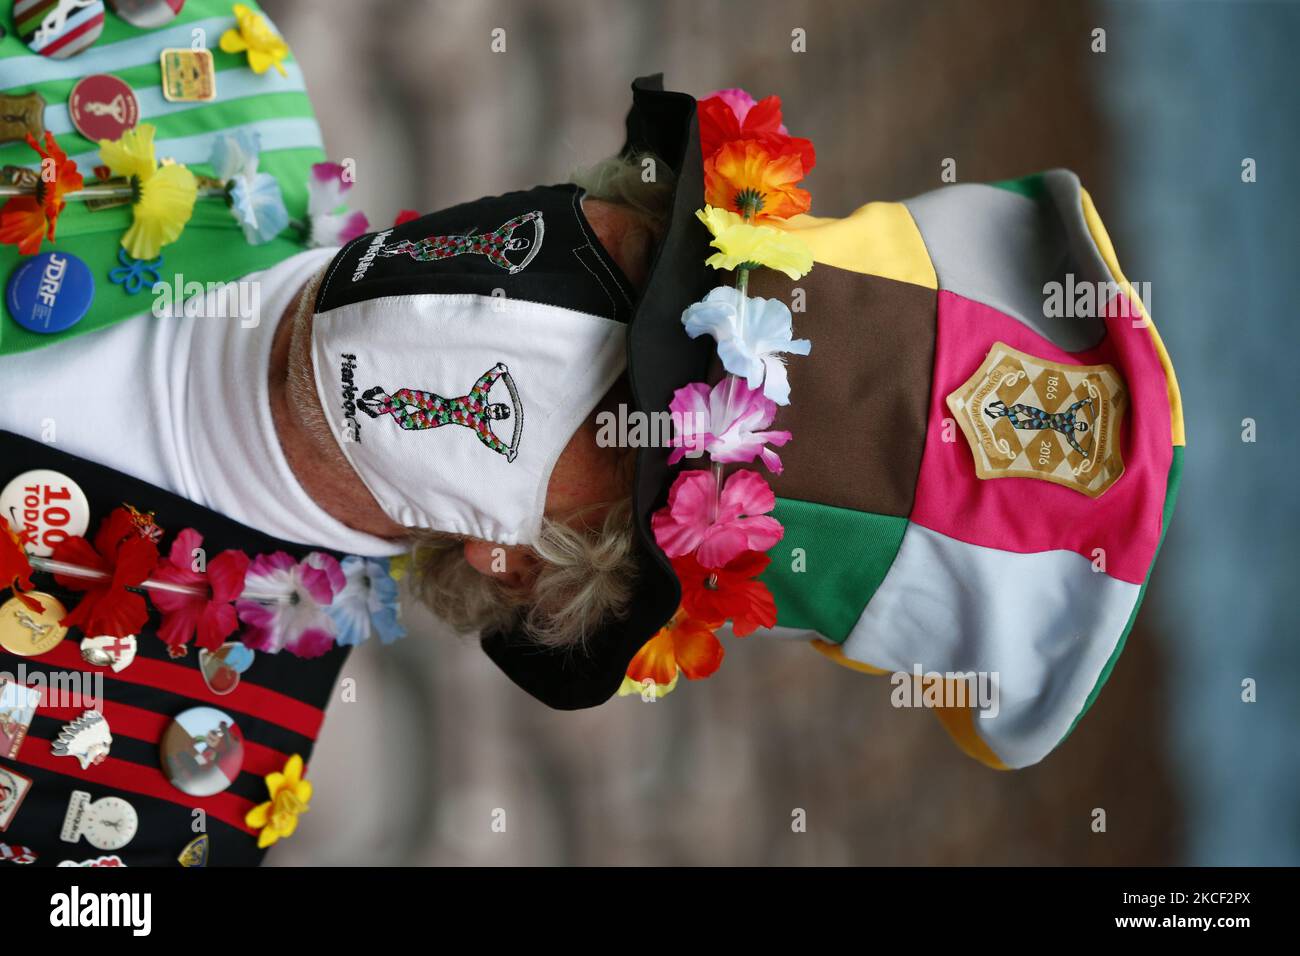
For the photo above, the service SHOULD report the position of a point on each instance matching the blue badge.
(50, 292)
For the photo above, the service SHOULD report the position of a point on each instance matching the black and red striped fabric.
(279, 704)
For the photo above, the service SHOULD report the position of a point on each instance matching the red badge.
(102, 107)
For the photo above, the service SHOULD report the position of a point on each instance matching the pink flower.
(742, 522)
(729, 431)
(327, 225)
(292, 616)
(209, 618)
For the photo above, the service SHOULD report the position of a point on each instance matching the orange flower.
(684, 644)
(25, 220)
(15, 569)
(758, 178)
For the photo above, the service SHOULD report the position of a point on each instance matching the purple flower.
(728, 431)
(284, 603)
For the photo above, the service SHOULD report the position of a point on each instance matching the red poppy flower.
(15, 569)
(208, 617)
(684, 643)
(26, 220)
(127, 559)
(729, 592)
(722, 121)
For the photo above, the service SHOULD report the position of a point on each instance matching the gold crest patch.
(1026, 417)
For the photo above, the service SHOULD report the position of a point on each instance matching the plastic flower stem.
(96, 192)
(742, 288)
(93, 574)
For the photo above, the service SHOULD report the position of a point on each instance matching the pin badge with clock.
(108, 823)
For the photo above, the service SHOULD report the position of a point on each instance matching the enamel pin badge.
(113, 652)
(87, 739)
(109, 823)
(20, 115)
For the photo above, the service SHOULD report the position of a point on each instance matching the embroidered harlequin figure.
(1029, 418)
(494, 245)
(415, 410)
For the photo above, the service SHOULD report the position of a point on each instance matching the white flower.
(755, 351)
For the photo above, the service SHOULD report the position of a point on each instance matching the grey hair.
(622, 179)
(585, 579)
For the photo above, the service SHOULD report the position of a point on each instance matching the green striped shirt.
(212, 247)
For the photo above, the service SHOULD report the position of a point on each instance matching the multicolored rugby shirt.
(990, 494)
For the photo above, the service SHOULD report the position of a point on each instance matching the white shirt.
(183, 403)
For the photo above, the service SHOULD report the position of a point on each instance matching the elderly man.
(537, 534)
(255, 474)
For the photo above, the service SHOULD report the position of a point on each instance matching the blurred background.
(439, 744)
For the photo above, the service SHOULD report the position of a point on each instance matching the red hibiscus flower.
(729, 592)
(208, 617)
(126, 559)
(15, 569)
(733, 114)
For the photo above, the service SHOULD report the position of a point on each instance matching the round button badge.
(25, 632)
(147, 13)
(102, 107)
(50, 292)
(58, 28)
(202, 751)
(45, 507)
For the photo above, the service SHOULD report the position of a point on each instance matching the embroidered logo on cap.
(493, 245)
(1026, 417)
(416, 410)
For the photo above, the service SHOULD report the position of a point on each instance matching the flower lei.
(302, 606)
(162, 194)
(716, 528)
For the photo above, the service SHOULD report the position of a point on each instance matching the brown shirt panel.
(858, 402)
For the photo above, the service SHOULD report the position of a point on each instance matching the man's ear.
(512, 565)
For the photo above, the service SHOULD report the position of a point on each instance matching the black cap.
(661, 358)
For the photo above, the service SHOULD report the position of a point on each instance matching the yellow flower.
(639, 687)
(164, 195)
(165, 204)
(265, 49)
(278, 817)
(132, 155)
(742, 243)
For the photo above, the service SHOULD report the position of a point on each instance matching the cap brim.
(661, 358)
